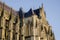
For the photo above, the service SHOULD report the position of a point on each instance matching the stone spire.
(32, 11)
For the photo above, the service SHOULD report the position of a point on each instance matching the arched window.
(41, 27)
(36, 24)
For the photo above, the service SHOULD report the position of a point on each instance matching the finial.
(32, 11)
(11, 9)
(42, 5)
(39, 7)
(21, 8)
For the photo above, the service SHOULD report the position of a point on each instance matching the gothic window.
(3, 38)
(31, 24)
(36, 23)
(29, 27)
(6, 28)
(41, 38)
(8, 36)
(28, 38)
(14, 26)
(14, 30)
(6, 33)
(21, 37)
(41, 27)
(51, 33)
(13, 36)
(7, 23)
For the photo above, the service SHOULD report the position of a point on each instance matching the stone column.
(17, 31)
(3, 28)
(11, 30)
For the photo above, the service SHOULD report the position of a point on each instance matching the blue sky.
(52, 8)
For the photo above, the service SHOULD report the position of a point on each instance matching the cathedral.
(19, 25)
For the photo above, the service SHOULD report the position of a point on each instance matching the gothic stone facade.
(31, 25)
